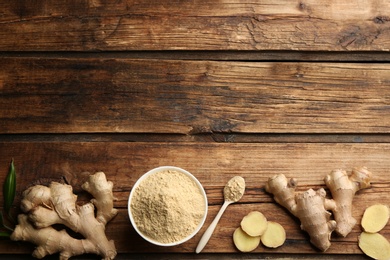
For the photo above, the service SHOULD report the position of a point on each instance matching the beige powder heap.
(234, 189)
(167, 206)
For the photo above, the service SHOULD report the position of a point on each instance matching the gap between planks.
(288, 56)
(201, 137)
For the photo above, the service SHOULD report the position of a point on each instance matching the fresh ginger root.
(56, 204)
(312, 208)
(343, 189)
(372, 243)
(274, 236)
(254, 228)
(254, 224)
(375, 218)
(245, 242)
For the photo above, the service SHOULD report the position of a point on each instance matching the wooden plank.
(213, 164)
(210, 256)
(191, 97)
(229, 55)
(195, 25)
(213, 137)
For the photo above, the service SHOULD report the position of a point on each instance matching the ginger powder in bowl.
(167, 206)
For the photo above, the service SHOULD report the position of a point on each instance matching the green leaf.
(4, 234)
(3, 224)
(1, 219)
(9, 188)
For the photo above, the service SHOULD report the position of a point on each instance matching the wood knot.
(381, 19)
(302, 6)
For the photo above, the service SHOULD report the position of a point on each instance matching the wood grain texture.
(211, 256)
(213, 164)
(192, 97)
(307, 25)
(220, 88)
(221, 55)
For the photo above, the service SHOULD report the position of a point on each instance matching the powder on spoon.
(234, 189)
(167, 206)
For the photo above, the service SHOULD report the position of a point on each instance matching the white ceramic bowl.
(153, 171)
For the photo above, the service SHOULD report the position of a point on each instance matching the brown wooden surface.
(187, 97)
(220, 88)
(213, 164)
(196, 25)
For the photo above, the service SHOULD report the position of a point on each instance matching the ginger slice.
(245, 242)
(274, 236)
(374, 245)
(254, 224)
(375, 218)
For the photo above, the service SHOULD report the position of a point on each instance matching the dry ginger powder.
(167, 206)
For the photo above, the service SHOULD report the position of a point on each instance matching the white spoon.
(232, 192)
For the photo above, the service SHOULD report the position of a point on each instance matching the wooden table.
(219, 88)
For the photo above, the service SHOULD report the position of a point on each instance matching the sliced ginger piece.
(254, 224)
(245, 242)
(375, 218)
(274, 236)
(374, 245)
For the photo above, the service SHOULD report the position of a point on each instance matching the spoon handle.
(207, 234)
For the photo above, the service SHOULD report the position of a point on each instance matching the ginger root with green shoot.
(56, 204)
(312, 207)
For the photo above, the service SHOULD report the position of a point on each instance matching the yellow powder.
(234, 189)
(167, 206)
